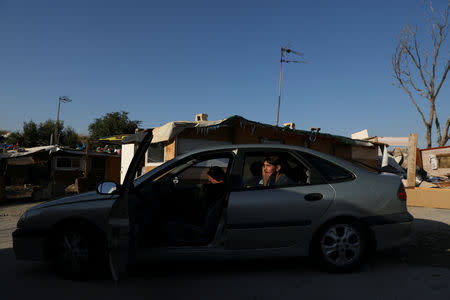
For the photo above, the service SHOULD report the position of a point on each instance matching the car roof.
(270, 147)
(252, 146)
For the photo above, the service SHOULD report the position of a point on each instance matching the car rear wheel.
(342, 247)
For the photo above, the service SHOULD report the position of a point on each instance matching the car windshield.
(143, 176)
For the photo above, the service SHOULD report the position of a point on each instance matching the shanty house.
(46, 172)
(175, 138)
(84, 170)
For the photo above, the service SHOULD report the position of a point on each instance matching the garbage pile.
(432, 168)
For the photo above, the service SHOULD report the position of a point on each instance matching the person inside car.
(273, 172)
(215, 188)
(268, 170)
(280, 176)
(212, 196)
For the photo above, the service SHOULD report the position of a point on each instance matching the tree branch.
(443, 78)
(438, 126)
(413, 101)
(437, 42)
(446, 135)
(416, 60)
(398, 71)
(418, 90)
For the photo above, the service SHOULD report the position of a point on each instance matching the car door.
(121, 222)
(277, 215)
(180, 199)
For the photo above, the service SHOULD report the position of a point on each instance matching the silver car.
(223, 202)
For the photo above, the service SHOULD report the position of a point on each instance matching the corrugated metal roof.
(26, 151)
(172, 129)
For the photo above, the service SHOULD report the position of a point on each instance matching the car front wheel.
(342, 247)
(76, 253)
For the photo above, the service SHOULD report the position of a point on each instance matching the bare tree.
(417, 72)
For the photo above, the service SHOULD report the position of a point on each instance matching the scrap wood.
(443, 184)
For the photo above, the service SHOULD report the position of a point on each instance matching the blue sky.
(168, 60)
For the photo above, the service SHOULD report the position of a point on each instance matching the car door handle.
(313, 197)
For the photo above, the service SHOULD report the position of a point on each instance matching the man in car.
(212, 196)
(273, 172)
(215, 187)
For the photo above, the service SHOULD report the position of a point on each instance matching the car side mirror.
(107, 188)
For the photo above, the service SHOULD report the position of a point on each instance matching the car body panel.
(31, 240)
(269, 218)
(89, 196)
(95, 211)
(29, 245)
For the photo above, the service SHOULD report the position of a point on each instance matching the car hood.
(89, 196)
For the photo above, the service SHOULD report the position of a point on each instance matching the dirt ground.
(9, 215)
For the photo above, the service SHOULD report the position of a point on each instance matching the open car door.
(121, 221)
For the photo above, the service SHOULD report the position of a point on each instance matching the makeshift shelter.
(45, 172)
(436, 161)
(84, 170)
(23, 171)
(175, 138)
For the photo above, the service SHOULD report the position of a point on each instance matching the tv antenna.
(285, 53)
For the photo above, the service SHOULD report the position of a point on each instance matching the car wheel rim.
(72, 251)
(341, 245)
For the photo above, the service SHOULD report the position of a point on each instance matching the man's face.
(268, 169)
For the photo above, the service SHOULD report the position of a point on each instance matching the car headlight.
(22, 219)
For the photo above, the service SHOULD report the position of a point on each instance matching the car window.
(330, 171)
(274, 169)
(196, 172)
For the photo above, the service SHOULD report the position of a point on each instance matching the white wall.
(127, 154)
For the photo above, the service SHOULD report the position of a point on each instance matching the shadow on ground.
(429, 246)
(225, 268)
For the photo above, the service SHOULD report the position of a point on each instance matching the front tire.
(76, 253)
(341, 247)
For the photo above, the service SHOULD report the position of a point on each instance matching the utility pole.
(284, 53)
(60, 99)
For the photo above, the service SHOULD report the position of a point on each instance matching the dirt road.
(422, 271)
(9, 214)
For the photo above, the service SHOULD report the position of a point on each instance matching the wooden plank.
(394, 141)
(412, 154)
(443, 184)
(113, 169)
(361, 135)
(147, 169)
(169, 150)
(428, 197)
(366, 153)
